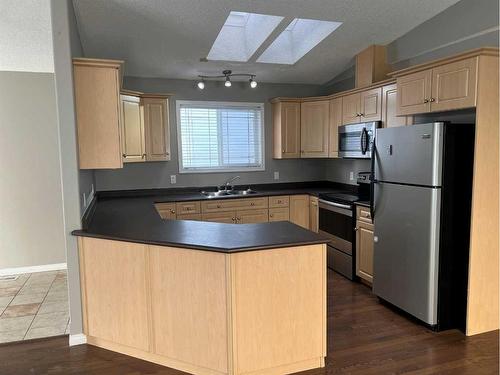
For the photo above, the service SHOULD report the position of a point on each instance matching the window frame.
(218, 104)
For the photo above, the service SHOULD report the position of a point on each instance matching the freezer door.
(410, 154)
(406, 249)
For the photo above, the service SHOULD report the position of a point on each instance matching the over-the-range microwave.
(356, 140)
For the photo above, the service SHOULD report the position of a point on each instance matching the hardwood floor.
(365, 337)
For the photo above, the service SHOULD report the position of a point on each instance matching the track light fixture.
(227, 74)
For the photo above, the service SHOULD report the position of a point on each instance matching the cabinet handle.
(167, 153)
(356, 228)
(233, 219)
(124, 155)
(279, 201)
(218, 206)
(143, 156)
(361, 114)
(238, 218)
(433, 99)
(270, 215)
(426, 100)
(252, 204)
(283, 151)
(172, 211)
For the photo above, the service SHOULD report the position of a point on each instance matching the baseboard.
(32, 269)
(77, 339)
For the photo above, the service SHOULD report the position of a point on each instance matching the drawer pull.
(218, 206)
(252, 204)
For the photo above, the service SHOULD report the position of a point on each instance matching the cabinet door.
(279, 214)
(364, 251)
(351, 108)
(252, 216)
(454, 85)
(335, 122)
(313, 214)
(228, 217)
(414, 92)
(133, 138)
(286, 130)
(97, 102)
(389, 104)
(299, 210)
(314, 124)
(371, 105)
(166, 210)
(157, 129)
(196, 217)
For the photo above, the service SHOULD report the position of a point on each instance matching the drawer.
(252, 216)
(189, 217)
(166, 210)
(234, 204)
(279, 201)
(220, 217)
(363, 214)
(187, 208)
(279, 214)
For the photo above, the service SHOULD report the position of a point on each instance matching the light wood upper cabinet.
(371, 105)
(157, 125)
(351, 108)
(133, 137)
(414, 91)
(389, 107)
(286, 118)
(313, 214)
(442, 88)
(454, 85)
(299, 210)
(335, 122)
(97, 101)
(314, 125)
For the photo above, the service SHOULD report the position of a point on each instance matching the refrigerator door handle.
(372, 180)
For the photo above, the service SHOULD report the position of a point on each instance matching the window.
(220, 137)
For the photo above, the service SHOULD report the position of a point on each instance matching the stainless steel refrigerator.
(421, 199)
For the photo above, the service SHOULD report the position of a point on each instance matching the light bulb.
(253, 84)
(201, 85)
(227, 83)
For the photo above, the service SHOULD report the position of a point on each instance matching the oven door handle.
(339, 205)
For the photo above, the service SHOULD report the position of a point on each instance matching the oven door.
(355, 141)
(336, 222)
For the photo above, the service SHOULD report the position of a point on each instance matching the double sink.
(227, 192)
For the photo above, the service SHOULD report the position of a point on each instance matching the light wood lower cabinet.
(279, 214)
(313, 214)
(166, 210)
(204, 312)
(364, 244)
(189, 217)
(228, 217)
(252, 216)
(299, 210)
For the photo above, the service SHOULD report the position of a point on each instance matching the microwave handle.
(364, 141)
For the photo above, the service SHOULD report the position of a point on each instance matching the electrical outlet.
(173, 179)
(276, 175)
(351, 175)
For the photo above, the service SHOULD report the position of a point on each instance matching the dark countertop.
(131, 216)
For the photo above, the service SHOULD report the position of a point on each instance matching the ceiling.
(171, 38)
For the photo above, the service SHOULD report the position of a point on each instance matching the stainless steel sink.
(224, 193)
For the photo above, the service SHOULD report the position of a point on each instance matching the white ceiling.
(167, 38)
(26, 36)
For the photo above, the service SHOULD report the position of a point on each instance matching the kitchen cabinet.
(133, 137)
(279, 201)
(313, 214)
(183, 208)
(252, 216)
(286, 122)
(364, 106)
(371, 66)
(97, 103)
(442, 88)
(189, 217)
(364, 244)
(314, 125)
(234, 204)
(335, 121)
(299, 210)
(157, 126)
(279, 214)
(166, 210)
(389, 108)
(228, 217)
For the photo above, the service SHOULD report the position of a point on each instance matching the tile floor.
(33, 306)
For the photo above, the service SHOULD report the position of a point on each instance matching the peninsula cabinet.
(443, 88)
(389, 103)
(299, 210)
(98, 113)
(286, 118)
(206, 312)
(314, 127)
(314, 214)
(364, 244)
(364, 106)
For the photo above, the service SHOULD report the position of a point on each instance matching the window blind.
(220, 136)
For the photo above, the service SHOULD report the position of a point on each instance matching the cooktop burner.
(339, 197)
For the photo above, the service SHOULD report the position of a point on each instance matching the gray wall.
(31, 217)
(466, 25)
(65, 45)
(157, 174)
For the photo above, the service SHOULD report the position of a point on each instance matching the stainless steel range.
(336, 220)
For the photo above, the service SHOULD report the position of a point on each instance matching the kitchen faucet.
(228, 182)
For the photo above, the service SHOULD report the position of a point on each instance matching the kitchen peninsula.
(203, 297)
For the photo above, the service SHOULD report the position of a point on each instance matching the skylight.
(300, 36)
(241, 35)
